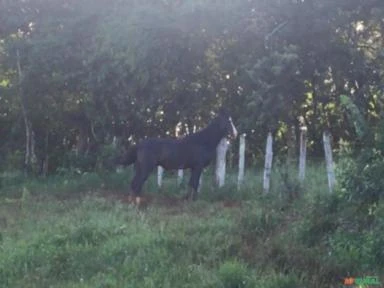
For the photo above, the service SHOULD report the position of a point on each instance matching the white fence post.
(221, 152)
(240, 176)
(114, 142)
(160, 171)
(329, 160)
(303, 152)
(268, 164)
(180, 172)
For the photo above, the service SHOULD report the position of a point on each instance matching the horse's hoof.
(127, 199)
(142, 202)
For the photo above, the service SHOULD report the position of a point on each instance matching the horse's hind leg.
(194, 183)
(134, 183)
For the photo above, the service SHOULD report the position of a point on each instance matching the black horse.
(195, 152)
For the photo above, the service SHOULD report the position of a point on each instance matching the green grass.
(66, 231)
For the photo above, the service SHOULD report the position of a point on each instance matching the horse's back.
(157, 151)
(171, 153)
(157, 143)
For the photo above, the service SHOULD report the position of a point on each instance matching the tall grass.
(283, 179)
(64, 232)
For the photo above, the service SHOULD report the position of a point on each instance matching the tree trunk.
(46, 156)
(291, 153)
(30, 156)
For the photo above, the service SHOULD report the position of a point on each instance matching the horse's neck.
(209, 136)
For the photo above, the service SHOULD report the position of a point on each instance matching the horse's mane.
(209, 135)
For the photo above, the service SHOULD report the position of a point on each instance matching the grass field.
(77, 231)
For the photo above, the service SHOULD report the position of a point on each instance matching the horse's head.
(226, 123)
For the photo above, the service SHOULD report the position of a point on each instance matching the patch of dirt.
(231, 204)
(166, 201)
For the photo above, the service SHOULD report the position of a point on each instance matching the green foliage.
(366, 185)
(353, 251)
(283, 281)
(78, 162)
(13, 161)
(355, 116)
(320, 219)
(233, 274)
(260, 220)
(67, 183)
(60, 238)
(272, 84)
(97, 239)
(361, 175)
(286, 179)
(92, 70)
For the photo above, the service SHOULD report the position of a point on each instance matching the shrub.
(361, 178)
(233, 274)
(320, 219)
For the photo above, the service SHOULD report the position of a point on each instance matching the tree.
(93, 70)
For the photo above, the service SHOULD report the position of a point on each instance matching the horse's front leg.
(194, 183)
(142, 172)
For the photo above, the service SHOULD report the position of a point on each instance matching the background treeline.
(75, 75)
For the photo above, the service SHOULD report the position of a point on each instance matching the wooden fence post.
(329, 160)
(268, 163)
(303, 152)
(221, 152)
(160, 171)
(240, 177)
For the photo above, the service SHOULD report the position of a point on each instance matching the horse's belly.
(172, 166)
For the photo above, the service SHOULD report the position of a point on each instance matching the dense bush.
(361, 179)
(361, 171)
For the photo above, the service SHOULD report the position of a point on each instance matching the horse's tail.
(129, 157)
